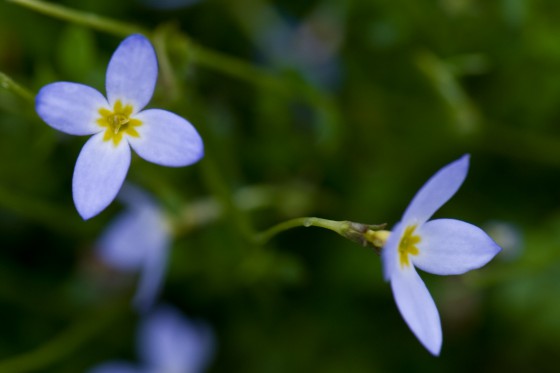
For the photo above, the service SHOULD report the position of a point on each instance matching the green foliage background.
(416, 84)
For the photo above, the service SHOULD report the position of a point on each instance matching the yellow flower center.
(407, 246)
(117, 122)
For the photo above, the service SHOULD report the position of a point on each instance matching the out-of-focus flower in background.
(168, 4)
(508, 236)
(167, 342)
(158, 136)
(312, 43)
(441, 246)
(308, 46)
(138, 241)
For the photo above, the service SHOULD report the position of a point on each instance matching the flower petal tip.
(199, 156)
(432, 343)
(132, 72)
(87, 209)
(167, 139)
(69, 107)
(86, 215)
(494, 250)
(461, 165)
(417, 308)
(437, 191)
(98, 175)
(436, 350)
(139, 37)
(465, 160)
(136, 41)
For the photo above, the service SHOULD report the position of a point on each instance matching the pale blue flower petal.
(452, 247)
(390, 252)
(166, 139)
(135, 197)
(151, 278)
(138, 240)
(438, 190)
(132, 73)
(417, 308)
(118, 243)
(170, 342)
(126, 242)
(156, 241)
(115, 367)
(99, 173)
(70, 107)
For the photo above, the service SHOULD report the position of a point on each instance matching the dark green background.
(416, 85)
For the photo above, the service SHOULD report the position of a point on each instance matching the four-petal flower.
(116, 122)
(442, 247)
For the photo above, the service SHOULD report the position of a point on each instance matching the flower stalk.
(7, 83)
(87, 19)
(364, 234)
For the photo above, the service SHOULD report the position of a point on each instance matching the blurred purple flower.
(169, 4)
(309, 46)
(117, 123)
(441, 246)
(167, 342)
(138, 240)
(117, 367)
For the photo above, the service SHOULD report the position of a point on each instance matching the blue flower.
(442, 247)
(116, 122)
(313, 43)
(167, 342)
(138, 241)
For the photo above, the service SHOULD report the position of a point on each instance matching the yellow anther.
(407, 245)
(118, 121)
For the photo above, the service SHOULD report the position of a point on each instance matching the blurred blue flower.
(158, 136)
(309, 46)
(169, 4)
(167, 342)
(442, 247)
(138, 241)
(508, 236)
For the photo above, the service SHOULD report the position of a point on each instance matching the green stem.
(203, 56)
(461, 108)
(7, 83)
(65, 344)
(335, 226)
(208, 58)
(83, 18)
(237, 68)
(168, 79)
(289, 200)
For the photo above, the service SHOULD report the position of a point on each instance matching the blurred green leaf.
(77, 53)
